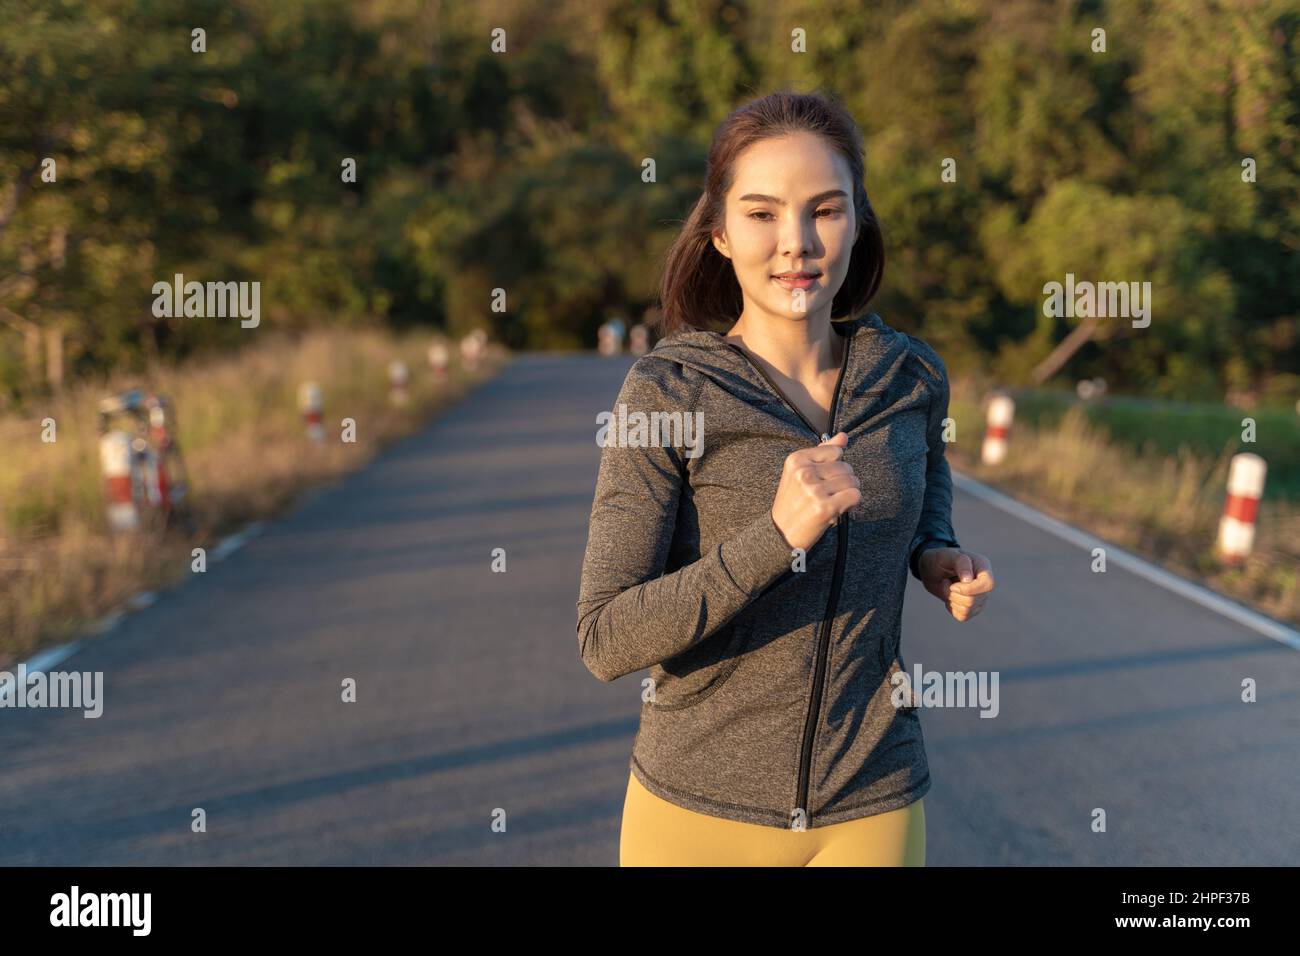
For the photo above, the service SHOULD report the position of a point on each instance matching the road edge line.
(1142, 567)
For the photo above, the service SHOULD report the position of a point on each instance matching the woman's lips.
(801, 283)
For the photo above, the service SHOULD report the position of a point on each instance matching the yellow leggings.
(658, 833)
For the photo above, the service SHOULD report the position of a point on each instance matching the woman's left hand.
(961, 579)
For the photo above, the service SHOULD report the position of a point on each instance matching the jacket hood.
(876, 352)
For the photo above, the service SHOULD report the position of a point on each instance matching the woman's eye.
(759, 213)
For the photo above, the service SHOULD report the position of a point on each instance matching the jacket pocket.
(691, 676)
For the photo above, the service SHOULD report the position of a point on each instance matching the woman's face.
(790, 209)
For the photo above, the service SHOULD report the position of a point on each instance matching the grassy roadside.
(1162, 505)
(245, 450)
(1163, 427)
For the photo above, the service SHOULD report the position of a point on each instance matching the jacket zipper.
(841, 549)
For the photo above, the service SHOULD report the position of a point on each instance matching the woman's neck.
(799, 350)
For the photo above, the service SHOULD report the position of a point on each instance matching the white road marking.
(40, 662)
(138, 602)
(1131, 562)
(230, 545)
(142, 600)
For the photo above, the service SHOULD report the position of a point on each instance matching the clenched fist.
(962, 580)
(817, 486)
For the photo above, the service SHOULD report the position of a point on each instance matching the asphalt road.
(472, 703)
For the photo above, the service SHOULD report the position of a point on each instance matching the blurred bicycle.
(142, 463)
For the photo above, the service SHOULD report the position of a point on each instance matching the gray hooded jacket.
(771, 694)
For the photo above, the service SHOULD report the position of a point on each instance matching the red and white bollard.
(115, 459)
(397, 379)
(471, 348)
(1002, 410)
(439, 359)
(1245, 488)
(309, 403)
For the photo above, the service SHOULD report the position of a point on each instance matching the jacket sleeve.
(630, 614)
(934, 529)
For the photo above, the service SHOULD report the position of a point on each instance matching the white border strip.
(40, 662)
(230, 545)
(1139, 566)
(43, 660)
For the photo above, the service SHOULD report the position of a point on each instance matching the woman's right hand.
(817, 486)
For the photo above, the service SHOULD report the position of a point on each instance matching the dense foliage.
(521, 169)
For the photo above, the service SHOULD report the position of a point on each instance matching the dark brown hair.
(698, 288)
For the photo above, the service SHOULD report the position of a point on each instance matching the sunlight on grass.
(246, 453)
(1165, 506)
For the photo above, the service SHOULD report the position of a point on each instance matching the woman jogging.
(757, 511)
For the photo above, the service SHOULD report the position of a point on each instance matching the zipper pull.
(825, 437)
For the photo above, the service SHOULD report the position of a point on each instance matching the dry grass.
(245, 450)
(1163, 507)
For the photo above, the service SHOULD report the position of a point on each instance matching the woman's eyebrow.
(760, 197)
